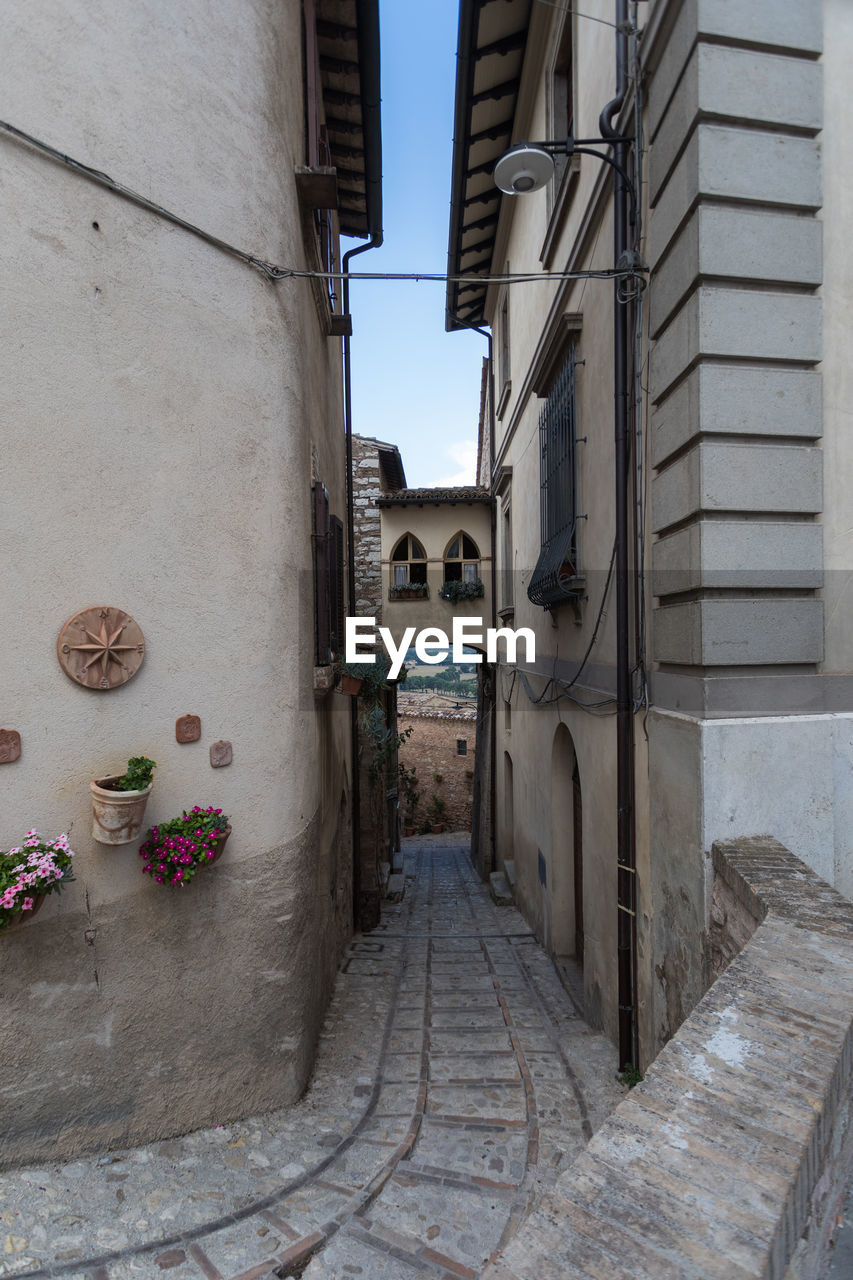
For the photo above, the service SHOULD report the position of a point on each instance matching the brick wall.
(433, 749)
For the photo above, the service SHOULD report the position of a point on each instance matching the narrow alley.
(455, 1079)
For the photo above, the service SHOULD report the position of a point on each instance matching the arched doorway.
(566, 848)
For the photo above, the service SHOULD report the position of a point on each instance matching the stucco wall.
(435, 527)
(160, 407)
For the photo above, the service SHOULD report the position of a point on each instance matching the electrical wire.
(276, 273)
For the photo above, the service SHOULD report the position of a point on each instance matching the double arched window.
(408, 562)
(462, 560)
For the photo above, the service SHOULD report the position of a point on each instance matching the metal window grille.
(555, 577)
(321, 575)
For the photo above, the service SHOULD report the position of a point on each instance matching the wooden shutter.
(336, 584)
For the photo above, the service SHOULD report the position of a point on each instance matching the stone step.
(395, 888)
(500, 890)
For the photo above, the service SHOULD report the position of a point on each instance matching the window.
(554, 579)
(507, 592)
(562, 96)
(462, 560)
(462, 746)
(408, 562)
(504, 363)
(328, 541)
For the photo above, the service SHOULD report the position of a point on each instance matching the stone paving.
(455, 1080)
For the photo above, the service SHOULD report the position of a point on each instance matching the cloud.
(464, 454)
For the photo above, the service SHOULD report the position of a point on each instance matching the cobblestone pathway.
(455, 1079)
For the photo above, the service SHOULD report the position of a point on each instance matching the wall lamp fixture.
(529, 166)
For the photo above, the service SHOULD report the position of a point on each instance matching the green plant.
(409, 591)
(630, 1075)
(373, 676)
(34, 868)
(175, 850)
(137, 777)
(383, 743)
(454, 591)
(436, 809)
(409, 788)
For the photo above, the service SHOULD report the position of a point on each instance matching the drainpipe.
(368, 57)
(493, 757)
(625, 818)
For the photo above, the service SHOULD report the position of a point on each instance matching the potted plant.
(436, 809)
(408, 591)
(118, 802)
(29, 873)
(454, 590)
(411, 796)
(175, 850)
(371, 677)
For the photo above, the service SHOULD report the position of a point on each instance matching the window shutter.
(336, 583)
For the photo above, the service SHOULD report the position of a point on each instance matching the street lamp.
(529, 166)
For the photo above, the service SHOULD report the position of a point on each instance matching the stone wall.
(433, 749)
(734, 1154)
(366, 488)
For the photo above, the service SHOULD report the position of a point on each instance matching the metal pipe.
(475, 832)
(625, 821)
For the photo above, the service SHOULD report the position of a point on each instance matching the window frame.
(407, 562)
(464, 562)
(556, 578)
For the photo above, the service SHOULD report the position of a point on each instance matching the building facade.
(727, 327)
(173, 445)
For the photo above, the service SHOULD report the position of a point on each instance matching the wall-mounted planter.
(117, 816)
(351, 685)
(220, 845)
(25, 916)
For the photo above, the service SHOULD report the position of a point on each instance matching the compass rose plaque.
(101, 647)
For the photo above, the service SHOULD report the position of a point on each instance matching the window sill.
(507, 613)
(562, 203)
(503, 401)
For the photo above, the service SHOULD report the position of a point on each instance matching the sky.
(413, 384)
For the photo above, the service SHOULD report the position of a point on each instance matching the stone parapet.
(732, 1157)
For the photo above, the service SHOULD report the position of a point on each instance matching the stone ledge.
(732, 1157)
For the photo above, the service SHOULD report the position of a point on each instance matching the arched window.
(462, 560)
(408, 562)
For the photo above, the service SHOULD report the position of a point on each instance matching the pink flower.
(27, 904)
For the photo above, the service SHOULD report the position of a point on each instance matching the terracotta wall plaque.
(10, 745)
(221, 754)
(188, 729)
(101, 647)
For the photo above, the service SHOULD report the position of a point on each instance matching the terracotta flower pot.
(350, 685)
(25, 916)
(117, 816)
(220, 845)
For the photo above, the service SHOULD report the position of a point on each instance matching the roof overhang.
(348, 47)
(436, 497)
(490, 57)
